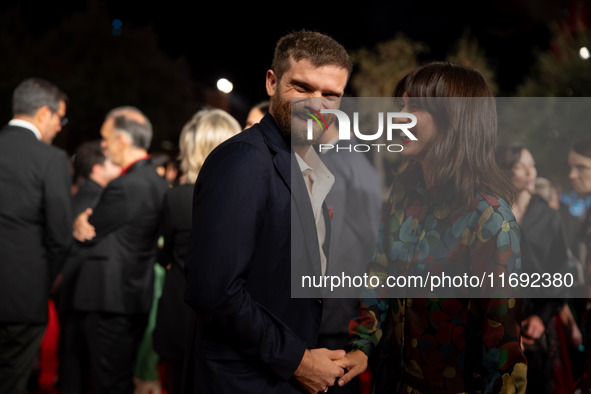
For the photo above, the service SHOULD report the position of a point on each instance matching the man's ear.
(43, 114)
(42, 118)
(271, 83)
(123, 140)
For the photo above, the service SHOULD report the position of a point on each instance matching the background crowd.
(115, 207)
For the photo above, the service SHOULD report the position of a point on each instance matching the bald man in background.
(115, 286)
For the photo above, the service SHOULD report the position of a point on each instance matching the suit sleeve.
(58, 211)
(228, 212)
(111, 211)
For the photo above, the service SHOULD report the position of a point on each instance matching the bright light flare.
(584, 53)
(224, 85)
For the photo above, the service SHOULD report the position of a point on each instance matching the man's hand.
(83, 230)
(318, 370)
(355, 363)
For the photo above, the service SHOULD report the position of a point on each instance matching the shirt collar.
(26, 125)
(302, 164)
(311, 161)
(126, 169)
(324, 179)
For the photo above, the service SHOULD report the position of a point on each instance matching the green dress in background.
(146, 365)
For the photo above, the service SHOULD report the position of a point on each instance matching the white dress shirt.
(319, 181)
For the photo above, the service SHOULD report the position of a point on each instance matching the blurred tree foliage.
(99, 68)
(560, 71)
(468, 52)
(378, 69)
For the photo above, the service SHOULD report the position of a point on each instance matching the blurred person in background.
(256, 113)
(200, 135)
(544, 249)
(579, 160)
(115, 284)
(35, 224)
(166, 167)
(92, 173)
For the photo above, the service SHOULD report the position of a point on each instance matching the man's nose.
(315, 103)
(572, 174)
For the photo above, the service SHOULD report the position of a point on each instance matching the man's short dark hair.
(318, 48)
(87, 156)
(34, 93)
(140, 133)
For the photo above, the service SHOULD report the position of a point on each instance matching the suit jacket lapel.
(301, 200)
(282, 163)
(289, 171)
(278, 146)
(327, 226)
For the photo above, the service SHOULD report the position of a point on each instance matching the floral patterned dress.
(437, 345)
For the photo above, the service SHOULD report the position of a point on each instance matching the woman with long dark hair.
(449, 211)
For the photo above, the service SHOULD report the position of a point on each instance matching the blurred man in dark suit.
(115, 283)
(92, 173)
(35, 224)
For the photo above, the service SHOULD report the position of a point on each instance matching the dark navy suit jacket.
(249, 206)
(118, 272)
(35, 223)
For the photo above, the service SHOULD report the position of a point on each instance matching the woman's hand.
(354, 363)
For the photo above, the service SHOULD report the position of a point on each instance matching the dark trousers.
(19, 347)
(112, 341)
(173, 370)
(74, 368)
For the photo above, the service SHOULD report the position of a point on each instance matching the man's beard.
(294, 125)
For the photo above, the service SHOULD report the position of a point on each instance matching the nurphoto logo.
(389, 121)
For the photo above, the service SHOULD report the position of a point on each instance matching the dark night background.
(168, 55)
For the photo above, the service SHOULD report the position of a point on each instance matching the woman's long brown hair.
(462, 154)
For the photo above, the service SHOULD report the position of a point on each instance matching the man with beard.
(251, 336)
